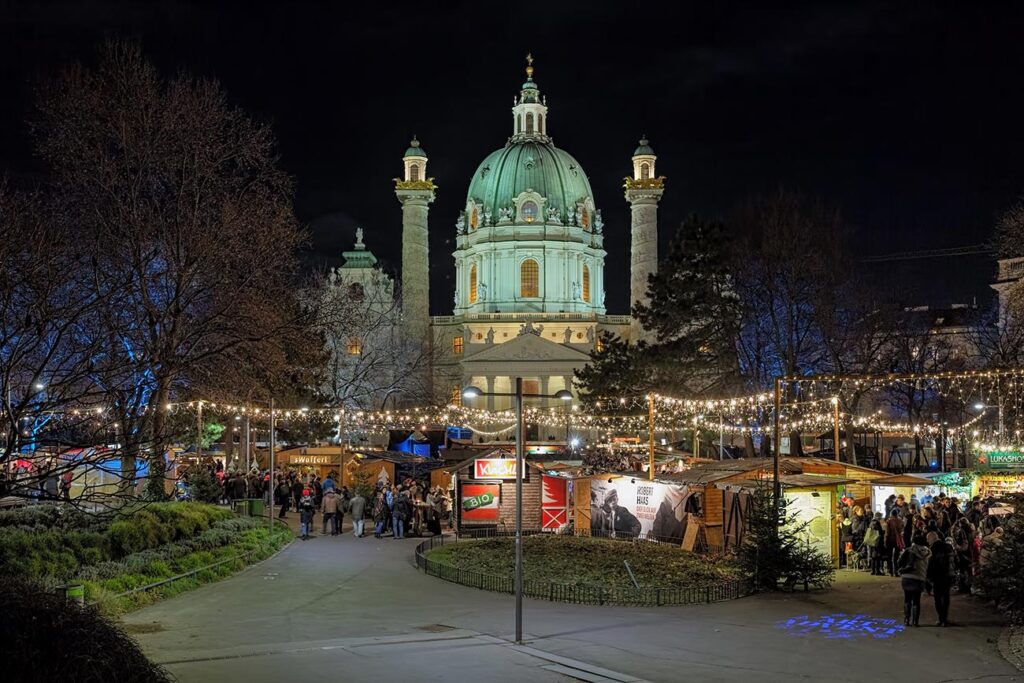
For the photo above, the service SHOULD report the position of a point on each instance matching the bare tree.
(177, 198)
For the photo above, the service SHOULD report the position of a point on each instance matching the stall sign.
(1003, 460)
(494, 468)
(310, 460)
(480, 502)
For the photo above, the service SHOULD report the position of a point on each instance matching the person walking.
(963, 545)
(357, 508)
(380, 514)
(307, 508)
(913, 566)
(329, 507)
(874, 542)
(893, 540)
(297, 489)
(284, 495)
(399, 512)
(941, 572)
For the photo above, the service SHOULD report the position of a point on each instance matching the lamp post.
(475, 392)
(835, 428)
(999, 407)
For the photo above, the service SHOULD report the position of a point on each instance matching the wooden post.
(777, 438)
(650, 437)
(835, 427)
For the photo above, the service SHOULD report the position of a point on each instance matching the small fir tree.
(775, 548)
(1001, 579)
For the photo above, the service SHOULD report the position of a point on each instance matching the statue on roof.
(359, 238)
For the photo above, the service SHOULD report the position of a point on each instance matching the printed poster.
(629, 508)
(480, 502)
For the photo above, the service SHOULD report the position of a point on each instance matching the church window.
(528, 212)
(599, 344)
(519, 123)
(585, 219)
(529, 279)
(473, 218)
(356, 291)
(354, 346)
(540, 124)
(529, 123)
(645, 171)
(414, 172)
(586, 284)
(472, 284)
(457, 345)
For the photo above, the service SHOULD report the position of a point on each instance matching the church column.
(643, 192)
(544, 390)
(489, 390)
(415, 192)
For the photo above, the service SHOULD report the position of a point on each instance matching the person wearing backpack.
(941, 572)
(307, 508)
(913, 565)
(874, 542)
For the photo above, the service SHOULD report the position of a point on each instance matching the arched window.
(585, 219)
(414, 172)
(472, 284)
(540, 123)
(529, 122)
(473, 219)
(586, 284)
(354, 346)
(356, 291)
(519, 123)
(645, 171)
(529, 279)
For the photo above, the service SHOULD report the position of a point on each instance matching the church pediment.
(528, 347)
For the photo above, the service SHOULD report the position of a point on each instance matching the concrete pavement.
(359, 607)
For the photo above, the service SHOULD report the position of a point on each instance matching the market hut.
(906, 485)
(485, 494)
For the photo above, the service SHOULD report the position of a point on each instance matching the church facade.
(529, 254)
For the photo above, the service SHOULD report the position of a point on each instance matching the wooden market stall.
(905, 485)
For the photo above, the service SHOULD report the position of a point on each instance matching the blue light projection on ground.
(841, 626)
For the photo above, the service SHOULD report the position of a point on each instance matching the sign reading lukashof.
(1005, 460)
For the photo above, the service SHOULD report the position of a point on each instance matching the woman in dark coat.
(874, 541)
(893, 540)
(940, 575)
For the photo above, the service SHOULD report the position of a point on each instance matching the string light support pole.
(650, 437)
(835, 427)
(777, 446)
(273, 477)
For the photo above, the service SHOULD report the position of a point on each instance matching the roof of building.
(902, 480)
(527, 164)
(415, 150)
(644, 149)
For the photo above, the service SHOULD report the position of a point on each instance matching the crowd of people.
(933, 545)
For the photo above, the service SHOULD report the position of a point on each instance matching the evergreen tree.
(775, 547)
(1000, 578)
(693, 317)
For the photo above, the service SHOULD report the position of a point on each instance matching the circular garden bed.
(585, 570)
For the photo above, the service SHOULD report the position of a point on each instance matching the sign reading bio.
(1003, 460)
(494, 468)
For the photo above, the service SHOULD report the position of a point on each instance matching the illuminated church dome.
(530, 236)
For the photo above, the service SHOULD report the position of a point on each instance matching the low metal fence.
(584, 594)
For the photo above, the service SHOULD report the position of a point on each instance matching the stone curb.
(1011, 645)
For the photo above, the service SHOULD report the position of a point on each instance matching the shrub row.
(60, 551)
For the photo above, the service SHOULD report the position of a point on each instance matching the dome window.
(414, 172)
(529, 123)
(472, 284)
(473, 219)
(585, 220)
(586, 283)
(645, 171)
(528, 212)
(529, 279)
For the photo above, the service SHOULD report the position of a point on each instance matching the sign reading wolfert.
(494, 468)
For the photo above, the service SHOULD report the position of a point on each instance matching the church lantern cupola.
(415, 160)
(643, 161)
(529, 110)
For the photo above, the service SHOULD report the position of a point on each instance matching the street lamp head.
(472, 392)
(40, 386)
(564, 394)
(979, 406)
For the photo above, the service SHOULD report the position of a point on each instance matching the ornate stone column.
(643, 192)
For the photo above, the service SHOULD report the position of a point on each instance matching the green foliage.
(363, 485)
(29, 549)
(694, 317)
(212, 431)
(203, 485)
(587, 561)
(774, 547)
(46, 639)
(1001, 578)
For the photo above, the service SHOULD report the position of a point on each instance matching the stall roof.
(789, 481)
(902, 480)
(398, 457)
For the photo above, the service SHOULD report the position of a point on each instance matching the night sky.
(906, 117)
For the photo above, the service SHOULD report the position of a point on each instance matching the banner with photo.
(625, 508)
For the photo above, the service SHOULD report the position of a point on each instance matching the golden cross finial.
(529, 65)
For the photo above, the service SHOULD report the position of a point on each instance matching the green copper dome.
(529, 165)
(644, 148)
(414, 149)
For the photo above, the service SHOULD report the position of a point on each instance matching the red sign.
(480, 502)
(494, 468)
(554, 503)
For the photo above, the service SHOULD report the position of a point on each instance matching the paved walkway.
(358, 609)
